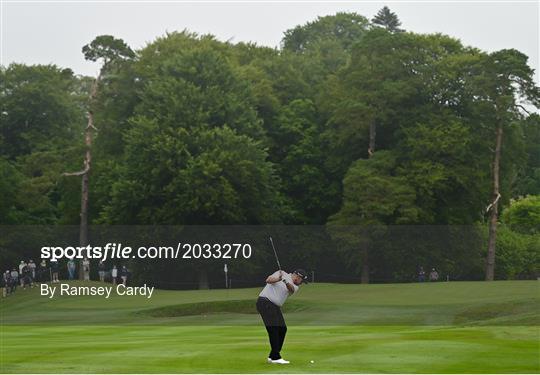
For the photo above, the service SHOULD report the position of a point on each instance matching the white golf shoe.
(280, 361)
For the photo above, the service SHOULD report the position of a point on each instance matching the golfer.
(279, 286)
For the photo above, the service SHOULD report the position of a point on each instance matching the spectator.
(433, 275)
(421, 275)
(32, 267)
(101, 269)
(71, 267)
(54, 271)
(114, 274)
(6, 283)
(26, 277)
(124, 274)
(42, 271)
(21, 266)
(14, 279)
(86, 269)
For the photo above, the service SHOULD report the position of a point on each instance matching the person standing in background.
(421, 275)
(6, 284)
(21, 267)
(124, 274)
(42, 271)
(26, 277)
(54, 271)
(433, 275)
(101, 269)
(114, 274)
(32, 267)
(14, 279)
(86, 269)
(71, 268)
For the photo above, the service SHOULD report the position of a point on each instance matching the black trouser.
(274, 323)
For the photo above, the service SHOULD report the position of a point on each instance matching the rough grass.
(246, 306)
(525, 312)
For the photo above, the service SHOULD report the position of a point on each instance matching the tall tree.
(374, 196)
(387, 19)
(298, 150)
(108, 49)
(381, 80)
(194, 151)
(39, 117)
(503, 83)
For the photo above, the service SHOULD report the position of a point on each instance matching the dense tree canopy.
(348, 123)
(40, 129)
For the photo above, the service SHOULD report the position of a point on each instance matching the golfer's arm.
(273, 279)
(290, 287)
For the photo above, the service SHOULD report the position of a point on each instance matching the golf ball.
(312, 361)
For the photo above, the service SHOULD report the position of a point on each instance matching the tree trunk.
(88, 136)
(372, 135)
(83, 228)
(364, 276)
(494, 206)
(83, 235)
(85, 190)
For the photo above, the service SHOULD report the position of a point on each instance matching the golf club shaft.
(275, 253)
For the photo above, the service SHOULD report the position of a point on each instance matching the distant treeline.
(349, 122)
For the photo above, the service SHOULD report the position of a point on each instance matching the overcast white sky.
(42, 32)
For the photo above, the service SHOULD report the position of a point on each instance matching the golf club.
(275, 253)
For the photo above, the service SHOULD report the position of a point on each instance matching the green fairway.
(463, 327)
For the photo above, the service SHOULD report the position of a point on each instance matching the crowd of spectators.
(22, 276)
(433, 275)
(27, 274)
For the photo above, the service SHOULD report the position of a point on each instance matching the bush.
(518, 254)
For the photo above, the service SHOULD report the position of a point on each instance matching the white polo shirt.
(277, 293)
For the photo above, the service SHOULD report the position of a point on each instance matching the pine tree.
(387, 19)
